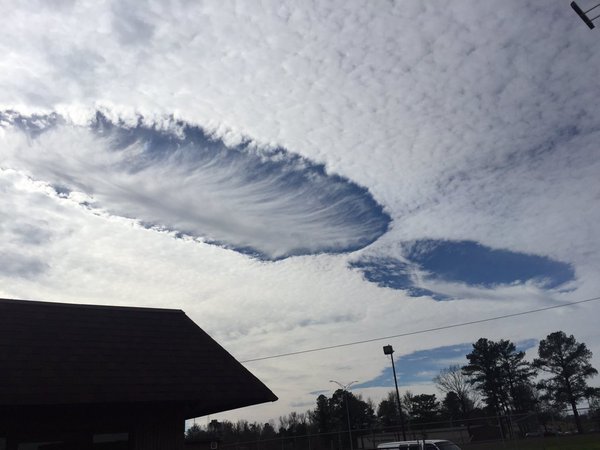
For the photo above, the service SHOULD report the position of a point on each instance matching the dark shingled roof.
(70, 354)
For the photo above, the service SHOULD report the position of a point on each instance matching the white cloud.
(267, 202)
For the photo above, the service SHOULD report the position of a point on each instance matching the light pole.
(344, 388)
(389, 350)
(583, 14)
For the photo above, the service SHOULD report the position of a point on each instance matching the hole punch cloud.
(478, 265)
(466, 262)
(393, 273)
(269, 203)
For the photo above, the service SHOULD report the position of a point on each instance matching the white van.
(424, 444)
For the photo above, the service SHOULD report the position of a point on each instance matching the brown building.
(84, 377)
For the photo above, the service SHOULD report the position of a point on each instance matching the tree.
(322, 421)
(268, 431)
(361, 412)
(451, 406)
(593, 398)
(194, 433)
(293, 424)
(423, 408)
(321, 416)
(500, 373)
(568, 362)
(484, 373)
(387, 411)
(453, 380)
(524, 397)
(331, 414)
(406, 402)
(546, 411)
(517, 375)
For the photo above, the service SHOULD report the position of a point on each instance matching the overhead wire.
(423, 331)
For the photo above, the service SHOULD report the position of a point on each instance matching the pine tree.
(568, 362)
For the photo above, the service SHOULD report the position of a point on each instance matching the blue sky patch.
(395, 274)
(465, 262)
(477, 265)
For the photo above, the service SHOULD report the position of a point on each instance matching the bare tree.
(452, 379)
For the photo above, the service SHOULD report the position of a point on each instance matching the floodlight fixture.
(583, 14)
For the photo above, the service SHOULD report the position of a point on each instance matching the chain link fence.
(510, 431)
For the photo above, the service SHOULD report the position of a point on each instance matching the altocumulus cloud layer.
(174, 176)
(475, 125)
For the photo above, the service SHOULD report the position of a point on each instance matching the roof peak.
(89, 306)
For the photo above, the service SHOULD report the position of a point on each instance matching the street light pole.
(344, 388)
(389, 350)
(583, 14)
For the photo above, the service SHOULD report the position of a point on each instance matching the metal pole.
(348, 417)
(398, 398)
(344, 387)
(583, 14)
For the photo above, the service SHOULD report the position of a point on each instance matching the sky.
(298, 175)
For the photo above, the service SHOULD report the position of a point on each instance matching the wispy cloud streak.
(266, 202)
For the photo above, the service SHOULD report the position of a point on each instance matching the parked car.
(422, 444)
(532, 434)
(544, 433)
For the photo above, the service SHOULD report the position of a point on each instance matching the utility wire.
(427, 330)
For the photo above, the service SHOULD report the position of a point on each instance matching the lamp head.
(388, 349)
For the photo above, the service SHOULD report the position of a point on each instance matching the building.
(101, 377)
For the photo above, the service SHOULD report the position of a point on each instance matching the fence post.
(501, 430)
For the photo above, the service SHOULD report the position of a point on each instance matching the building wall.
(154, 428)
(166, 433)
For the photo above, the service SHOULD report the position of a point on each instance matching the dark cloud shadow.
(20, 266)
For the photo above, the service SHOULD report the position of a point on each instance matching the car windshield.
(447, 446)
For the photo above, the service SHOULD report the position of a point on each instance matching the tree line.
(496, 380)
(509, 384)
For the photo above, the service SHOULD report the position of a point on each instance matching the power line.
(427, 330)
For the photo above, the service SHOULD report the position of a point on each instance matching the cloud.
(466, 122)
(19, 265)
(319, 392)
(266, 202)
(393, 273)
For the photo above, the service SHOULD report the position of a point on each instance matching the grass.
(584, 442)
